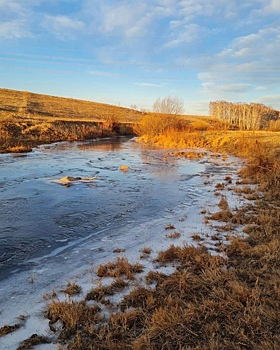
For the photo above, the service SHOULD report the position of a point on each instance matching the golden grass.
(28, 119)
(209, 301)
(146, 251)
(72, 288)
(100, 292)
(119, 267)
(228, 301)
(29, 104)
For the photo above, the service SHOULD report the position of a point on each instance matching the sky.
(129, 53)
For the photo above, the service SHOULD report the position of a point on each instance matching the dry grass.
(72, 288)
(27, 120)
(208, 302)
(34, 340)
(174, 235)
(197, 237)
(146, 251)
(119, 267)
(9, 329)
(170, 227)
(100, 292)
(223, 204)
(75, 316)
(218, 302)
(118, 250)
(44, 106)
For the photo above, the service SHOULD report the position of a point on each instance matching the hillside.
(27, 104)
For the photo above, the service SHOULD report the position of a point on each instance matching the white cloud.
(63, 26)
(274, 6)
(11, 6)
(148, 84)
(14, 19)
(227, 88)
(270, 100)
(103, 74)
(198, 107)
(125, 18)
(248, 63)
(187, 34)
(14, 29)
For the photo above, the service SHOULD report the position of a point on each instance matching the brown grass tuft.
(9, 329)
(72, 289)
(100, 292)
(34, 340)
(174, 235)
(170, 227)
(120, 267)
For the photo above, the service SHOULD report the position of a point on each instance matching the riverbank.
(21, 134)
(186, 220)
(183, 295)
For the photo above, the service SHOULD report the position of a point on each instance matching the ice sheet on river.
(66, 234)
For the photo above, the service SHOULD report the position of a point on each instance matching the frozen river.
(52, 232)
(40, 217)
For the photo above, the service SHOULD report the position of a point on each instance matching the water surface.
(41, 218)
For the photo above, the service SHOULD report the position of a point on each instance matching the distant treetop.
(169, 105)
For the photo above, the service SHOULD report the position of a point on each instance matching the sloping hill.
(27, 104)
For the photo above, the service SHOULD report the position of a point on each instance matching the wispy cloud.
(103, 74)
(123, 18)
(15, 19)
(62, 26)
(227, 88)
(188, 33)
(248, 62)
(219, 49)
(14, 29)
(270, 100)
(149, 85)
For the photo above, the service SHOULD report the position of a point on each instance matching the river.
(51, 231)
(38, 215)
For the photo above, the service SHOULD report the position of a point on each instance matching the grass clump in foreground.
(229, 301)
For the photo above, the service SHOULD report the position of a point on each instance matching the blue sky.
(130, 52)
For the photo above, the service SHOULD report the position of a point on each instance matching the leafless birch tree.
(253, 116)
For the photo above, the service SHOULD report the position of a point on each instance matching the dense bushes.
(156, 124)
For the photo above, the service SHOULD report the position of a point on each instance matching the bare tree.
(169, 105)
(253, 116)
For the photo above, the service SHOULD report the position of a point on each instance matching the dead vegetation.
(9, 329)
(229, 301)
(72, 288)
(174, 235)
(98, 293)
(119, 267)
(28, 119)
(34, 340)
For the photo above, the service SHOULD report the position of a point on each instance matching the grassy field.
(28, 119)
(44, 107)
(210, 302)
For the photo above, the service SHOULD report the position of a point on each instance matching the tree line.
(252, 116)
